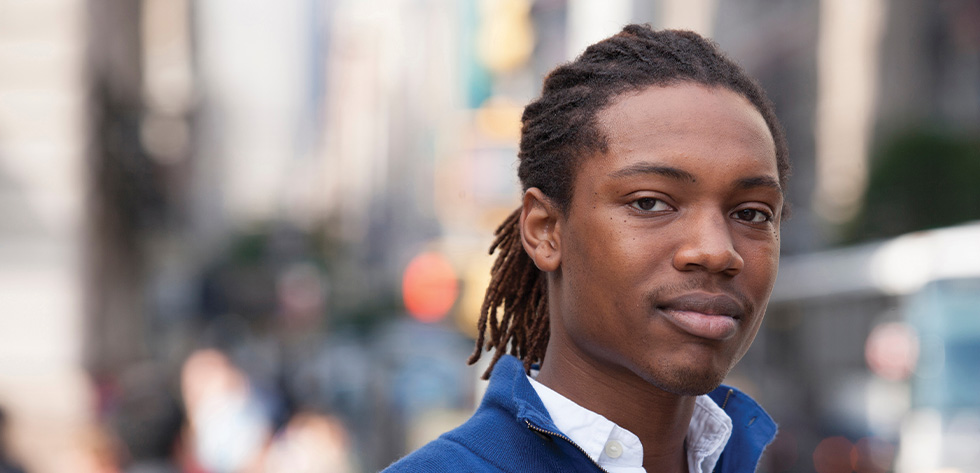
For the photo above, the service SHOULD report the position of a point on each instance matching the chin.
(687, 381)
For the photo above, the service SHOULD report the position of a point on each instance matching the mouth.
(709, 316)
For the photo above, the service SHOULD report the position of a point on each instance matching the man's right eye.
(649, 204)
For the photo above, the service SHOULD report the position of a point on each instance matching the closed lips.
(719, 304)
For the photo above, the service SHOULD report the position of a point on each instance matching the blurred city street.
(244, 236)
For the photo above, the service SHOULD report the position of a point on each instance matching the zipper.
(556, 434)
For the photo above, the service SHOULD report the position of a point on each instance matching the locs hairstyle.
(559, 129)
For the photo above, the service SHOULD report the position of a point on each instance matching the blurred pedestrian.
(146, 418)
(311, 443)
(7, 463)
(229, 429)
(98, 450)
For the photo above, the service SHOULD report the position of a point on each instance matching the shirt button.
(614, 449)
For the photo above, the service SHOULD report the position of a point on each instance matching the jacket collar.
(510, 389)
(752, 428)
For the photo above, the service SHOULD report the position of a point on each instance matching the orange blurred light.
(429, 287)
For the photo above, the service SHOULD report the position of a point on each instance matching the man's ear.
(540, 233)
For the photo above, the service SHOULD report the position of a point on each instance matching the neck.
(659, 418)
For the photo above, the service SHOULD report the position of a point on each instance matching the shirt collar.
(618, 450)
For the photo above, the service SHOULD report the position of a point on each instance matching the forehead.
(702, 125)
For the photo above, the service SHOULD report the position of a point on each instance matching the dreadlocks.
(559, 129)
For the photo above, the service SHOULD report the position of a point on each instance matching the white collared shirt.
(618, 450)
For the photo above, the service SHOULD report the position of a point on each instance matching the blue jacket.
(512, 432)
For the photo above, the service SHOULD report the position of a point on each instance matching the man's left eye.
(753, 215)
(649, 204)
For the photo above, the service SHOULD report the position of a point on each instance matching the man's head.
(653, 170)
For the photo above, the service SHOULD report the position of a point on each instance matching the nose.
(707, 245)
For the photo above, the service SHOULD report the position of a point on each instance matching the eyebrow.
(682, 175)
(758, 181)
(648, 168)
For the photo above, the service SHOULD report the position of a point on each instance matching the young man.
(635, 274)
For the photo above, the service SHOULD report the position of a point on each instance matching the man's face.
(669, 250)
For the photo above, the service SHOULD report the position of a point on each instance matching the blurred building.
(44, 187)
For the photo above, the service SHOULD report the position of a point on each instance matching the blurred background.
(250, 236)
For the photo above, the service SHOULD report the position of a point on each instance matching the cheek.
(762, 259)
(773, 267)
(596, 251)
(749, 336)
(602, 272)
(760, 280)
